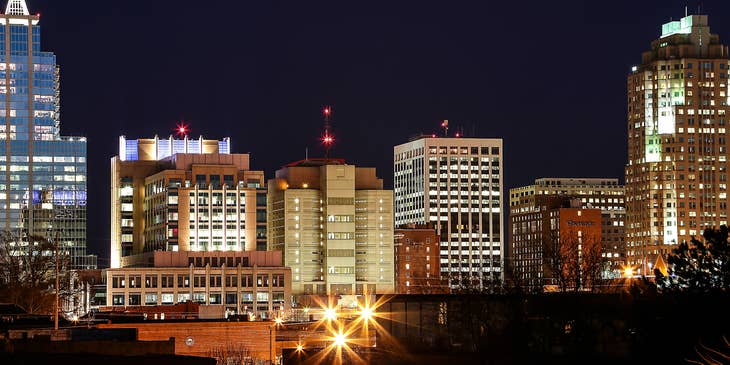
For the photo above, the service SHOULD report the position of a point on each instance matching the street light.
(366, 313)
(628, 271)
(340, 339)
(330, 314)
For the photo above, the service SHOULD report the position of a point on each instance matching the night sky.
(547, 76)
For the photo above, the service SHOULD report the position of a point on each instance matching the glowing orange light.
(628, 271)
(330, 314)
(340, 339)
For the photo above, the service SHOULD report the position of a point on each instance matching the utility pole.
(55, 312)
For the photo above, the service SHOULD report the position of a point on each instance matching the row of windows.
(120, 299)
(199, 281)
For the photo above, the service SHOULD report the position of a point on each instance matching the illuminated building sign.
(581, 224)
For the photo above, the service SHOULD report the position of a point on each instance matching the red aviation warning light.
(328, 139)
(182, 129)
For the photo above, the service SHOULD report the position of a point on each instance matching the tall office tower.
(184, 195)
(44, 189)
(334, 224)
(597, 193)
(676, 175)
(455, 183)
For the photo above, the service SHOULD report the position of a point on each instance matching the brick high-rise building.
(599, 193)
(555, 244)
(676, 175)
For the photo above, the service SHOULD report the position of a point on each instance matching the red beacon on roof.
(182, 129)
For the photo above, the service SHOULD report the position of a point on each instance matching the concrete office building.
(184, 195)
(676, 175)
(599, 193)
(334, 224)
(456, 184)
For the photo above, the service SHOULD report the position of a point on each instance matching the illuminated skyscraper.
(676, 176)
(334, 224)
(44, 186)
(184, 195)
(456, 184)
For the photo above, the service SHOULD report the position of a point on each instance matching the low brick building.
(253, 340)
(249, 282)
(417, 260)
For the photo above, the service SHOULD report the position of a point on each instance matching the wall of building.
(196, 338)
(416, 266)
(337, 238)
(262, 291)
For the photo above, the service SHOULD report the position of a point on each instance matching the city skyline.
(438, 60)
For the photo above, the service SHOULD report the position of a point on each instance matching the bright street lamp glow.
(339, 339)
(278, 320)
(330, 314)
(628, 272)
(300, 347)
(366, 313)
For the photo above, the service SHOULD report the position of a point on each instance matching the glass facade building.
(44, 173)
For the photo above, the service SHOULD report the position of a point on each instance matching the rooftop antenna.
(306, 153)
(685, 11)
(327, 138)
(445, 126)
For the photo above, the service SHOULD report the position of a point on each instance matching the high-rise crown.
(17, 7)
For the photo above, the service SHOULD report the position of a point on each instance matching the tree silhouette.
(27, 272)
(698, 266)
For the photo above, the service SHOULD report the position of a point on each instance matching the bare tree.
(27, 272)
(232, 354)
(575, 260)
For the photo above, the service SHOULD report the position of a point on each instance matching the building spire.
(17, 7)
